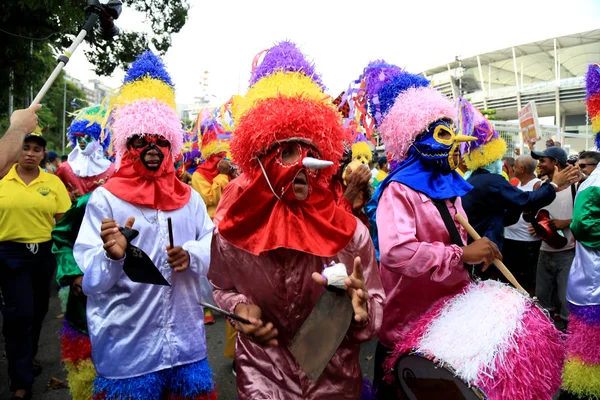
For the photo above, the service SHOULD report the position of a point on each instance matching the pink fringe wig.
(146, 117)
(412, 112)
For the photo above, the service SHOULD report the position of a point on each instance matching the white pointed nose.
(313, 163)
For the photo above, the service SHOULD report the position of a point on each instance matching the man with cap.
(270, 248)
(494, 203)
(556, 256)
(31, 200)
(143, 247)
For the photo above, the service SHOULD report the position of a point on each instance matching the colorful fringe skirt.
(581, 375)
(186, 382)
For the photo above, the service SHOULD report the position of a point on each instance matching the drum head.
(422, 379)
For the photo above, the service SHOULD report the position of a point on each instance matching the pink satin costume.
(280, 283)
(419, 265)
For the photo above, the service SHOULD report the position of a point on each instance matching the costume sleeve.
(365, 250)
(220, 276)
(516, 199)
(230, 194)
(100, 272)
(63, 237)
(211, 193)
(199, 249)
(400, 250)
(63, 201)
(586, 217)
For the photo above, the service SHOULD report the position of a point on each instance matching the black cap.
(35, 138)
(554, 152)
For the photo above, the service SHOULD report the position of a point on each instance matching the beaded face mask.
(438, 144)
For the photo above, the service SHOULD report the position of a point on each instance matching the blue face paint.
(437, 146)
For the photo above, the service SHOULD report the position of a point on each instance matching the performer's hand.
(178, 258)
(257, 332)
(356, 290)
(560, 223)
(75, 195)
(481, 251)
(224, 167)
(114, 241)
(76, 285)
(566, 177)
(357, 181)
(531, 231)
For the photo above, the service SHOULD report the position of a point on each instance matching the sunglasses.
(586, 165)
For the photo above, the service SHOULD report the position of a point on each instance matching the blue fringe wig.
(148, 64)
(88, 121)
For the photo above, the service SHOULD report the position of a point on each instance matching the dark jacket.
(494, 203)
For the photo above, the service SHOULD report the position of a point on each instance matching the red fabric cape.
(159, 190)
(258, 222)
(208, 169)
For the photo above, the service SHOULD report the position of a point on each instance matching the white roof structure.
(509, 78)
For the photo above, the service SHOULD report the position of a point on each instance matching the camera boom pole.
(64, 59)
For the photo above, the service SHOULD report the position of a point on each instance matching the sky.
(341, 37)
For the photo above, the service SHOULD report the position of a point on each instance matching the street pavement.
(49, 357)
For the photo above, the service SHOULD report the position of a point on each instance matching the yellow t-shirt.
(27, 211)
(210, 192)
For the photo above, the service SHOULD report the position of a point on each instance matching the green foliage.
(34, 32)
(490, 114)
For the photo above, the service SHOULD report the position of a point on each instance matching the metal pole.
(64, 59)
(555, 62)
(481, 74)
(64, 131)
(11, 78)
(31, 54)
(515, 69)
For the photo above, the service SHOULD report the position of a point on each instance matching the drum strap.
(448, 221)
(452, 230)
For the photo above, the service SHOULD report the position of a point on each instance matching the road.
(49, 357)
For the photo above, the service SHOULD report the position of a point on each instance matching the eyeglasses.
(581, 165)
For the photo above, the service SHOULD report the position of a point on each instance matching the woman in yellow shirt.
(31, 200)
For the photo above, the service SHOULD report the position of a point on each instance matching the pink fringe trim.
(532, 368)
(583, 340)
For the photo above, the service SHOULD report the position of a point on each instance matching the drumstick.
(170, 232)
(507, 274)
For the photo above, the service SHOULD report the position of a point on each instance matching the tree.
(50, 116)
(27, 27)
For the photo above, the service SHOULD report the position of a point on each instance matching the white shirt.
(138, 328)
(518, 231)
(561, 208)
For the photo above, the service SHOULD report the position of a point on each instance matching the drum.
(488, 342)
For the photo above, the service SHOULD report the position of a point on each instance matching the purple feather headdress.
(285, 56)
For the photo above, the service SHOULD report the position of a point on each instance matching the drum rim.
(476, 389)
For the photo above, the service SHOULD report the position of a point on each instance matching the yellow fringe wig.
(146, 88)
(288, 84)
(581, 378)
(486, 154)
